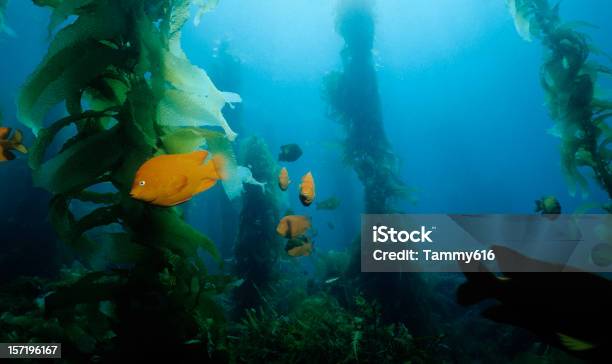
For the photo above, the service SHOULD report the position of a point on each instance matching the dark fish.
(290, 153)
(571, 310)
(548, 205)
(331, 225)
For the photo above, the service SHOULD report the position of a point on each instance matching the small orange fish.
(283, 179)
(293, 226)
(171, 179)
(8, 144)
(307, 189)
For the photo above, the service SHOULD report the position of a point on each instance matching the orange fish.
(283, 179)
(8, 144)
(307, 189)
(299, 247)
(293, 226)
(171, 179)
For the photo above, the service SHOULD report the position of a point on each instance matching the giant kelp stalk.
(569, 77)
(354, 102)
(128, 88)
(257, 246)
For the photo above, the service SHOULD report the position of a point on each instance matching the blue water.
(461, 100)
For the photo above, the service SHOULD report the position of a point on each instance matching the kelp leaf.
(64, 224)
(520, 12)
(121, 249)
(46, 135)
(99, 217)
(73, 168)
(66, 8)
(97, 197)
(183, 140)
(180, 108)
(193, 99)
(89, 27)
(53, 82)
(234, 185)
(204, 6)
(168, 229)
(91, 288)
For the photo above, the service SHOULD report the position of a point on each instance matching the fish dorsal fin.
(574, 344)
(4, 132)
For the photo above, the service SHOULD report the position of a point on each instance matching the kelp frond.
(354, 101)
(128, 89)
(569, 78)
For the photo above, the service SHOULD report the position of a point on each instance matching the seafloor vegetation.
(139, 288)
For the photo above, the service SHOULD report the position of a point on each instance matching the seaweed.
(257, 247)
(569, 77)
(354, 102)
(127, 85)
(321, 330)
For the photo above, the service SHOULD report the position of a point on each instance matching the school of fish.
(171, 179)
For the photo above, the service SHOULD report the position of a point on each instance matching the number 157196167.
(28, 350)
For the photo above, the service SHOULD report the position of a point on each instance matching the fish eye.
(142, 183)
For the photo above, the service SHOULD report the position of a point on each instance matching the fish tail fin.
(479, 286)
(538, 204)
(215, 168)
(220, 164)
(17, 140)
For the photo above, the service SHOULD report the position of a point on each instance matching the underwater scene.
(184, 181)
